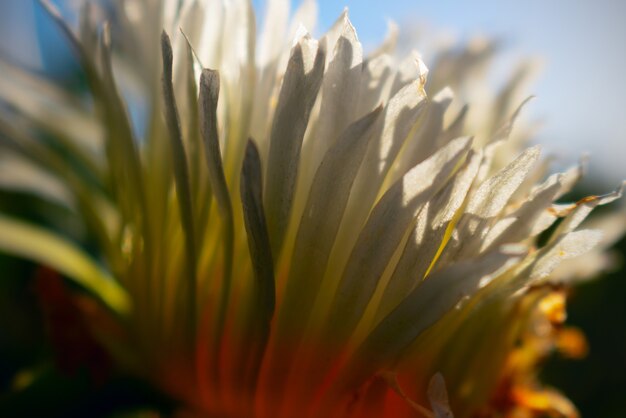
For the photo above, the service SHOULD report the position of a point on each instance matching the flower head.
(296, 228)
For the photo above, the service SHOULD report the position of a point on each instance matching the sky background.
(580, 91)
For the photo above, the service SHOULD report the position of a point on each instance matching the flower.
(298, 231)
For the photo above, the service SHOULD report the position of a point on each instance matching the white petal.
(376, 82)
(527, 220)
(422, 308)
(567, 246)
(305, 16)
(484, 205)
(384, 230)
(426, 137)
(494, 193)
(272, 37)
(322, 215)
(18, 174)
(301, 84)
(339, 96)
(400, 116)
(427, 236)
(583, 208)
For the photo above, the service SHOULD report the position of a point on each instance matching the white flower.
(300, 230)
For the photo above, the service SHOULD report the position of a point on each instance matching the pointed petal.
(301, 84)
(272, 36)
(384, 230)
(256, 228)
(376, 82)
(263, 293)
(493, 194)
(339, 95)
(305, 16)
(505, 130)
(181, 177)
(322, 215)
(428, 236)
(209, 95)
(484, 204)
(528, 219)
(583, 208)
(331, 37)
(422, 308)
(389, 44)
(425, 140)
(401, 114)
(572, 176)
(568, 246)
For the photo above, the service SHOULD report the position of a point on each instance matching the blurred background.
(580, 102)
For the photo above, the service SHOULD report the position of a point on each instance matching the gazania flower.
(291, 228)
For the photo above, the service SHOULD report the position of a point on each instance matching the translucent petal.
(301, 84)
(37, 244)
(385, 228)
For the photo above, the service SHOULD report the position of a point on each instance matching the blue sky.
(580, 93)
